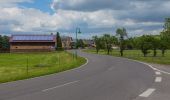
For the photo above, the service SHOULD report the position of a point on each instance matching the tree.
(4, 43)
(98, 43)
(145, 44)
(108, 41)
(0, 42)
(163, 43)
(121, 33)
(80, 43)
(155, 41)
(167, 26)
(165, 36)
(130, 43)
(59, 42)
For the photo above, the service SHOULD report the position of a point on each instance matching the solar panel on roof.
(33, 38)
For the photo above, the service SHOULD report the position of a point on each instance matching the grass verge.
(137, 55)
(22, 66)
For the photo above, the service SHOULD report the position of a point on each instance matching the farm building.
(67, 42)
(32, 43)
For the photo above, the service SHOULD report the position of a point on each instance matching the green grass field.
(137, 55)
(14, 66)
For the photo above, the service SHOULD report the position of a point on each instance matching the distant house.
(67, 42)
(89, 43)
(32, 43)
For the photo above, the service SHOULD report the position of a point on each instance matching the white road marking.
(158, 79)
(147, 93)
(158, 73)
(59, 86)
(151, 66)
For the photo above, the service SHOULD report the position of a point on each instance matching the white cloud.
(15, 1)
(98, 19)
(12, 3)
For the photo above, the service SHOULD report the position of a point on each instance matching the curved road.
(103, 78)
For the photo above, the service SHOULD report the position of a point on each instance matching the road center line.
(158, 73)
(66, 84)
(158, 79)
(147, 93)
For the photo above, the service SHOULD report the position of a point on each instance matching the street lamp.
(77, 32)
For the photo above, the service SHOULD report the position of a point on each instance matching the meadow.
(18, 66)
(137, 55)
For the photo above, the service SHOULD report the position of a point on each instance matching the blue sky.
(43, 5)
(94, 17)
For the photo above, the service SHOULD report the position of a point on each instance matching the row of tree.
(107, 41)
(149, 42)
(144, 43)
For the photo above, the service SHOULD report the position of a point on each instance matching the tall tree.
(59, 42)
(155, 41)
(0, 42)
(167, 26)
(145, 43)
(163, 43)
(165, 36)
(4, 43)
(108, 41)
(121, 33)
(98, 43)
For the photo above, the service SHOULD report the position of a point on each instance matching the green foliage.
(121, 33)
(165, 37)
(4, 43)
(59, 42)
(105, 42)
(145, 43)
(155, 44)
(167, 26)
(0, 42)
(80, 43)
(130, 43)
(108, 42)
(98, 43)
(164, 43)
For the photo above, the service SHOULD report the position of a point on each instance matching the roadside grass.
(13, 66)
(137, 55)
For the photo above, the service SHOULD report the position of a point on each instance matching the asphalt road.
(103, 78)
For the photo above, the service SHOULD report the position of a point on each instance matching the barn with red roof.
(32, 43)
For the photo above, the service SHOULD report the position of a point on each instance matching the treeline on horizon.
(144, 43)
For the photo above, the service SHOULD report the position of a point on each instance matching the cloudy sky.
(94, 17)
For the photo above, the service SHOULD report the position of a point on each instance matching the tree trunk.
(163, 52)
(144, 53)
(108, 51)
(121, 52)
(97, 51)
(154, 53)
